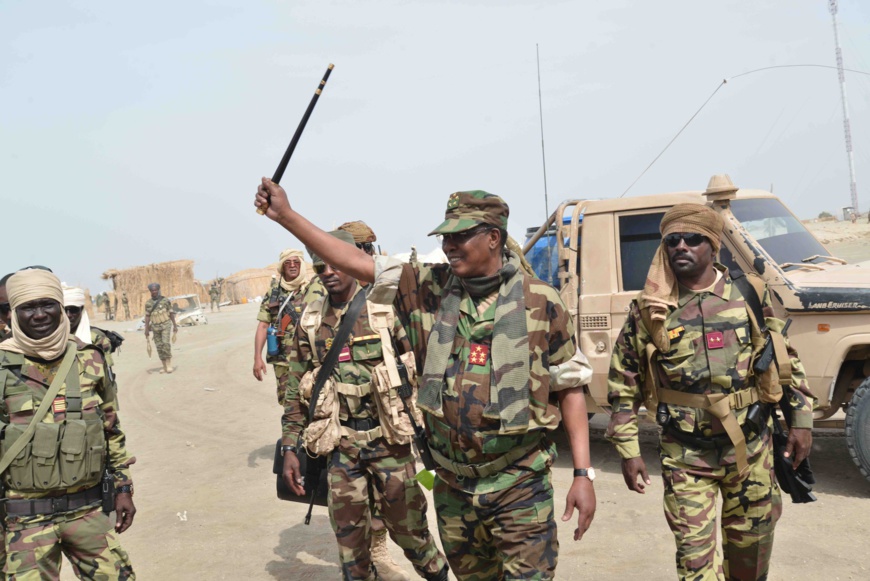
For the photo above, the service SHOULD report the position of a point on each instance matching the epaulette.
(10, 358)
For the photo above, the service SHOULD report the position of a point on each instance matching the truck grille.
(595, 322)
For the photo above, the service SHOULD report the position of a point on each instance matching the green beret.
(341, 235)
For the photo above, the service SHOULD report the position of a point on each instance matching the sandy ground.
(204, 438)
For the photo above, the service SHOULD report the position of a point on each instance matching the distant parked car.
(188, 312)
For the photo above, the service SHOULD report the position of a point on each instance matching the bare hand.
(292, 476)
(631, 469)
(260, 370)
(272, 198)
(800, 443)
(125, 511)
(582, 496)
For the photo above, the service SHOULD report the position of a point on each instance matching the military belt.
(483, 469)
(53, 505)
(720, 405)
(361, 424)
(714, 442)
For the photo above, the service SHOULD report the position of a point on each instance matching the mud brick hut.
(247, 284)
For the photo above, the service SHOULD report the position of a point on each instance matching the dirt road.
(204, 438)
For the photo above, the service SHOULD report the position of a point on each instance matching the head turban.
(661, 290)
(30, 285)
(360, 231)
(304, 273)
(75, 297)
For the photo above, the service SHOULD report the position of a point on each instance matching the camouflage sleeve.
(103, 343)
(313, 291)
(624, 385)
(120, 459)
(562, 340)
(263, 314)
(800, 398)
(299, 359)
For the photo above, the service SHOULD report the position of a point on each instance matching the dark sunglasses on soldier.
(73, 310)
(692, 240)
(321, 268)
(460, 238)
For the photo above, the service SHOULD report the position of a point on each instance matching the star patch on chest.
(676, 333)
(478, 355)
(715, 340)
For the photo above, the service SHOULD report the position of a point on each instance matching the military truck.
(598, 252)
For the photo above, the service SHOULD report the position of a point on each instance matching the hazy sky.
(135, 133)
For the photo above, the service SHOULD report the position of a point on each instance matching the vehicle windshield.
(185, 304)
(781, 235)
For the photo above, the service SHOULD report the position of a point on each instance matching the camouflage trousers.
(751, 505)
(281, 374)
(215, 303)
(162, 333)
(509, 534)
(354, 481)
(126, 312)
(34, 546)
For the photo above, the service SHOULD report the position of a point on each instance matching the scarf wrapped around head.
(75, 297)
(661, 290)
(30, 285)
(304, 273)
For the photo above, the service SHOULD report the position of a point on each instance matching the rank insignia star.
(478, 355)
(453, 200)
(328, 344)
(715, 340)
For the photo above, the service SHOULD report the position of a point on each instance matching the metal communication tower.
(832, 4)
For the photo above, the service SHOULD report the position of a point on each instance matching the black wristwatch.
(587, 472)
(285, 449)
(124, 489)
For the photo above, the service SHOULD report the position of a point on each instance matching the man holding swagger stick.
(475, 319)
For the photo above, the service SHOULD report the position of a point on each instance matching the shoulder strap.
(338, 342)
(309, 322)
(381, 320)
(65, 369)
(752, 290)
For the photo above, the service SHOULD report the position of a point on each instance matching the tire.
(858, 428)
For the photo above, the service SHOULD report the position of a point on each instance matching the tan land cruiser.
(600, 251)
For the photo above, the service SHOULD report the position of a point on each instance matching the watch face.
(590, 473)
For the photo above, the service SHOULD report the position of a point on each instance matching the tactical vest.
(158, 316)
(324, 433)
(69, 454)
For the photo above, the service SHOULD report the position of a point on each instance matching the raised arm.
(352, 261)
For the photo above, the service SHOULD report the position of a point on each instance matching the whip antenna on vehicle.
(544, 160)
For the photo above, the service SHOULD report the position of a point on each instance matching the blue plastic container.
(272, 347)
(546, 248)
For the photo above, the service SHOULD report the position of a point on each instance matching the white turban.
(75, 297)
(30, 285)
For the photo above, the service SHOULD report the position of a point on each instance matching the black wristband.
(285, 449)
(124, 489)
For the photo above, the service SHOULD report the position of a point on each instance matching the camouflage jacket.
(272, 302)
(158, 314)
(356, 367)
(464, 434)
(697, 363)
(99, 339)
(27, 382)
(214, 293)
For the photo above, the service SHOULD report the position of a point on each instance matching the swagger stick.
(279, 173)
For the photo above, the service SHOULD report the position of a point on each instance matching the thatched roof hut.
(248, 284)
(175, 278)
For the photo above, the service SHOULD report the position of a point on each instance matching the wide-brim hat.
(465, 210)
(720, 184)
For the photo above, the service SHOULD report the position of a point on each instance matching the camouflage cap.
(341, 235)
(466, 210)
(360, 231)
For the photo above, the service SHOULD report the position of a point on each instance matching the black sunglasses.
(73, 310)
(321, 268)
(673, 240)
(459, 238)
(366, 247)
(5, 308)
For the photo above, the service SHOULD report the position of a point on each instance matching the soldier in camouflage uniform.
(5, 310)
(126, 303)
(288, 295)
(214, 294)
(160, 318)
(53, 492)
(364, 459)
(700, 335)
(494, 344)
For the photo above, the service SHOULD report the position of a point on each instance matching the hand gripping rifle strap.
(65, 369)
(341, 336)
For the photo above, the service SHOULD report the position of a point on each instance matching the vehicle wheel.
(858, 428)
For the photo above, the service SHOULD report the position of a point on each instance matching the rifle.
(279, 172)
(405, 392)
(765, 358)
